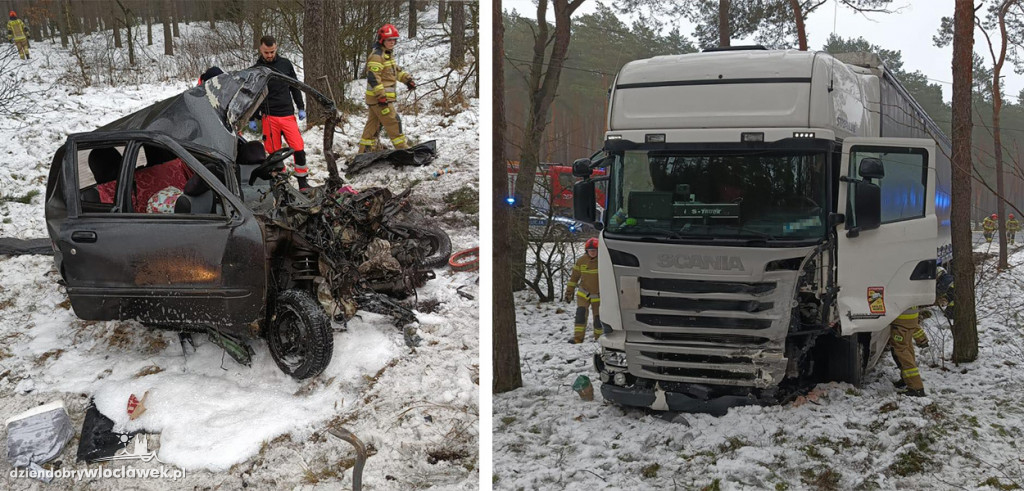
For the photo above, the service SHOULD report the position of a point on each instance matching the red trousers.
(274, 127)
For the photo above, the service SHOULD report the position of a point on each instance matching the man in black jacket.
(277, 112)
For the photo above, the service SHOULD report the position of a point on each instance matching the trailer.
(768, 215)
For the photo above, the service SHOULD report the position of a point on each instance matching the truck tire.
(846, 360)
(440, 243)
(299, 335)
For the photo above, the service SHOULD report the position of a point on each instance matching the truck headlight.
(620, 379)
(614, 358)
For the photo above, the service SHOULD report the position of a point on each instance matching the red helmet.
(591, 243)
(994, 216)
(1011, 215)
(12, 14)
(387, 31)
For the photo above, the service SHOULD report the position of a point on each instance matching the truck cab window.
(903, 188)
(721, 194)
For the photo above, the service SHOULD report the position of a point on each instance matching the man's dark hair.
(268, 40)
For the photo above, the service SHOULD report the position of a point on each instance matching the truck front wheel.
(846, 359)
(299, 335)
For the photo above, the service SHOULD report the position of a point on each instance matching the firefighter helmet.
(1011, 216)
(387, 31)
(591, 243)
(11, 14)
(994, 216)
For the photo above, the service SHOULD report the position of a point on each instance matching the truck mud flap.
(673, 401)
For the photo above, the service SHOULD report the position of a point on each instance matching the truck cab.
(768, 214)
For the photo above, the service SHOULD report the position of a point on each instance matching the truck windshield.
(740, 194)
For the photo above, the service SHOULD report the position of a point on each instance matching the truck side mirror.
(871, 168)
(582, 168)
(868, 204)
(584, 202)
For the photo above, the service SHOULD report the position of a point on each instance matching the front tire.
(299, 335)
(846, 359)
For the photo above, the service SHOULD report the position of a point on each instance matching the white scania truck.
(768, 214)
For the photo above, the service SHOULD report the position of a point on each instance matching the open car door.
(888, 266)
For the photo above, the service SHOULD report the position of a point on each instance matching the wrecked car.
(167, 216)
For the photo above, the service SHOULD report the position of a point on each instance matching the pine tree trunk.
(63, 12)
(112, 21)
(965, 322)
(412, 19)
(801, 30)
(505, 350)
(442, 11)
(324, 65)
(165, 19)
(210, 15)
(175, 14)
(149, 23)
(724, 31)
(457, 54)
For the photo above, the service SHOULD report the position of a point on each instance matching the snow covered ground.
(230, 426)
(966, 434)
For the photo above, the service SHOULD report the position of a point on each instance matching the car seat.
(105, 165)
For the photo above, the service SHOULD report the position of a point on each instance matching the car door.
(884, 271)
(205, 267)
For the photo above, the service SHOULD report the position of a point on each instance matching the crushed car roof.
(204, 115)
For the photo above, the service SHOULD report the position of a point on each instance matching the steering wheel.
(271, 163)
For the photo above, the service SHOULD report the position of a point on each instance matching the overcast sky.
(910, 31)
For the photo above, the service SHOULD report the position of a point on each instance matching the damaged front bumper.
(620, 387)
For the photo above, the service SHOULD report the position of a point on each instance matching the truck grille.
(711, 332)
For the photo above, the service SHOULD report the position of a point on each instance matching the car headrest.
(105, 164)
(251, 153)
(157, 155)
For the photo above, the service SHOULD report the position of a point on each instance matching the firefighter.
(277, 111)
(16, 33)
(382, 74)
(989, 225)
(587, 292)
(901, 332)
(1012, 226)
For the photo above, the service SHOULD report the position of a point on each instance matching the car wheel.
(846, 360)
(439, 243)
(299, 335)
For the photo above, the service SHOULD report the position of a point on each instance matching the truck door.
(124, 259)
(886, 270)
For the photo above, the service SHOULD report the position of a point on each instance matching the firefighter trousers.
(901, 339)
(583, 300)
(386, 117)
(22, 45)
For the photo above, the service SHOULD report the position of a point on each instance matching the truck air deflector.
(720, 81)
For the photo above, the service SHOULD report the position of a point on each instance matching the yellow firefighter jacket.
(988, 224)
(584, 273)
(16, 30)
(382, 74)
(1013, 225)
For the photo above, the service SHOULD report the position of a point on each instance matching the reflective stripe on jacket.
(584, 273)
(382, 74)
(16, 30)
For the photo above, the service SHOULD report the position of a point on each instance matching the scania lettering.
(768, 214)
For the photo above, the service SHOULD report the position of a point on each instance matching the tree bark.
(149, 24)
(175, 13)
(112, 21)
(128, 18)
(997, 106)
(723, 23)
(457, 53)
(543, 85)
(63, 12)
(798, 17)
(210, 15)
(965, 322)
(442, 11)
(165, 19)
(412, 19)
(324, 65)
(505, 350)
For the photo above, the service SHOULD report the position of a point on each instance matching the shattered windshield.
(737, 194)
